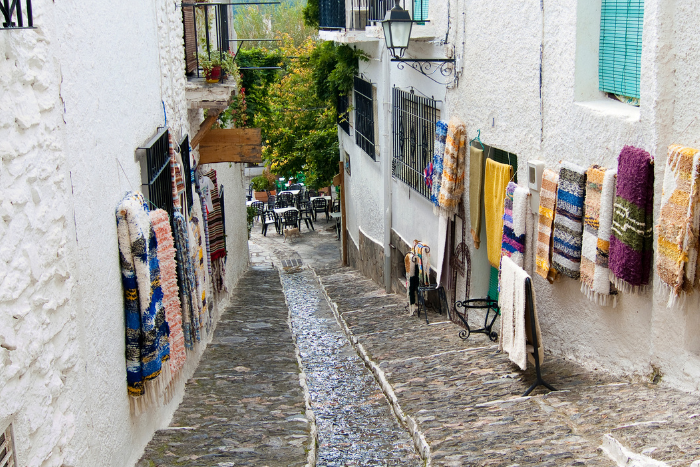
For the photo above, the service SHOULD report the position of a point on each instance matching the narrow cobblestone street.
(454, 402)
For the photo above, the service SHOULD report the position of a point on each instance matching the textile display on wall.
(438, 156)
(476, 188)
(595, 275)
(677, 256)
(168, 284)
(514, 319)
(514, 223)
(568, 222)
(199, 261)
(452, 182)
(188, 289)
(217, 242)
(496, 179)
(631, 239)
(147, 347)
(545, 224)
(177, 183)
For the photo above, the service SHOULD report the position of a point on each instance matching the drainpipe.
(386, 165)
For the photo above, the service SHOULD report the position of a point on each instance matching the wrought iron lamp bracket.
(440, 67)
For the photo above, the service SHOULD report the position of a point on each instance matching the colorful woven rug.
(600, 193)
(677, 256)
(496, 179)
(188, 288)
(146, 328)
(452, 182)
(568, 223)
(217, 244)
(168, 283)
(631, 240)
(476, 190)
(514, 218)
(199, 261)
(548, 202)
(438, 156)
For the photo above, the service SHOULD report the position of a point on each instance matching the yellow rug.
(496, 178)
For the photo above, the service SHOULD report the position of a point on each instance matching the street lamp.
(397, 30)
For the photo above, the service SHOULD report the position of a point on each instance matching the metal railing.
(208, 33)
(364, 116)
(12, 14)
(358, 14)
(413, 132)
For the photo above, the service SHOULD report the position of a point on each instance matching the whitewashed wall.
(529, 82)
(78, 95)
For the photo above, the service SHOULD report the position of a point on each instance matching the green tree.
(299, 131)
(273, 22)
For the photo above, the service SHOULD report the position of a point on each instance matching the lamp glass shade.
(397, 29)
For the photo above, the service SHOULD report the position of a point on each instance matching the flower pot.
(214, 74)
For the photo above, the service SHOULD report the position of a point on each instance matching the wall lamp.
(397, 36)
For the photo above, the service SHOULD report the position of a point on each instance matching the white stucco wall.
(78, 95)
(529, 82)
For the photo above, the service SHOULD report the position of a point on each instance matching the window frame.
(420, 115)
(364, 116)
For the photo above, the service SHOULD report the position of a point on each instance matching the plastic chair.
(320, 205)
(271, 202)
(267, 219)
(281, 203)
(259, 208)
(291, 218)
(306, 214)
(335, 207)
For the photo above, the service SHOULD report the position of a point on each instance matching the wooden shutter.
(190, 39)
(620, 56)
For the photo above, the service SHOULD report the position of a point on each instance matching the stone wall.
(368, 257)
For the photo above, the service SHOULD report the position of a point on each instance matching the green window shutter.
(420, 11)
(620, 56)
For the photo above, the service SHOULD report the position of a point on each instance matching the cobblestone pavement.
(244, 404)
(354, 421)
(461, 400)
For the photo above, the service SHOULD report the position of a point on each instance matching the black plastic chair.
(290, 218)
(335, 207)
(320, 205)
(259, 208)
(267, 219)
(306, 214)
(296, 186)
(312, 193)
(280, 203)
(271, 202)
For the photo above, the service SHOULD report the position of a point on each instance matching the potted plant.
(219, 66)
(251, 212)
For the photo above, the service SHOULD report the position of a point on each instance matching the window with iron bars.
(364, 116)
(413, 132)
(156, 179)
(343, 114)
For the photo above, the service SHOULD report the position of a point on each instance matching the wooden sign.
(234, 145)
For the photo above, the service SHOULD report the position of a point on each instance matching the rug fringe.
(599, 298)
(626, 287)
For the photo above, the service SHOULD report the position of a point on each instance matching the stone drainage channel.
(354, 421)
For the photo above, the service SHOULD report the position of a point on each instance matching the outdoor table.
(336, 216)
(249, 203)
(279, 212)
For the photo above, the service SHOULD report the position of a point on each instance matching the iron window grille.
(156, 179)
(187, 170)
(343, 113)
(12, 14)
(331, 14)
(364, 116)
(413, 132)
(7, 448)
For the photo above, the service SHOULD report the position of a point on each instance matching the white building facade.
(79, 94)
(528, 83)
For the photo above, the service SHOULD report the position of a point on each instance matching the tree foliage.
(273, 22)
(299, 131)
(334, 67)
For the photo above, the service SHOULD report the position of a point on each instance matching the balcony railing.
(358, 14)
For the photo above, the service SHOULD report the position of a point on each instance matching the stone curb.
(406, 421)
(312, 447)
